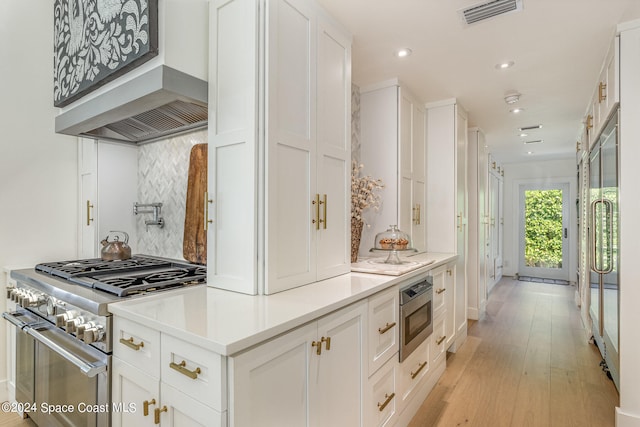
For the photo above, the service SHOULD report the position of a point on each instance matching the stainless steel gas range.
(64, 332)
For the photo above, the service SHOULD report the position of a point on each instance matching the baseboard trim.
(4, 391)
(624, 419)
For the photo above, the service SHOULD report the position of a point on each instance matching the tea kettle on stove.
(115, 250)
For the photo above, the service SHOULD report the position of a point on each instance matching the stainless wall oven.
(416, 315)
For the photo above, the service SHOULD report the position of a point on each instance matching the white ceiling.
(558, 47)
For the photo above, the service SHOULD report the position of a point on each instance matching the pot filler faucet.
(152, 208)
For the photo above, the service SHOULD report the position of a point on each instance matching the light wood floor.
(527, 363)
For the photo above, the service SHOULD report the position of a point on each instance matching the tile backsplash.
(163, 168)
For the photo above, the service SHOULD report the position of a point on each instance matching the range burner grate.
(83, 267)
(136, 275)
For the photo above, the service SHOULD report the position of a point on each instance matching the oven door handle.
(87, 368)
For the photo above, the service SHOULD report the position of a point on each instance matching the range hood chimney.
(161, 102)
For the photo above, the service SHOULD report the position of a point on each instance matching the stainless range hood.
(161, 102)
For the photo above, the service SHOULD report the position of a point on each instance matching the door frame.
(550, 184)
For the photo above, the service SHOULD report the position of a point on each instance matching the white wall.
(536, 172)
(38, 185)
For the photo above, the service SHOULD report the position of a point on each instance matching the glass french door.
(544, 231)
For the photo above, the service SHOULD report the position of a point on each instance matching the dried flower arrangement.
(363, 192)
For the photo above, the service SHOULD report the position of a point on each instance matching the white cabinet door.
(270, 384)
(418, 209)
(307, 377)
(336, 376)
(333, 149)
(180, 410)
(460, 275)
(393, 150)
(131, 386)
(291, 205)
(88, 180)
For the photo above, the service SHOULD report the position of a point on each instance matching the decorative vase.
(356, 233)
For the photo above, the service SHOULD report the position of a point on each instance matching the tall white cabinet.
(108, 186)
(447, 213)
(393, 134)
(280, 137)
(478, 254)
(496, 221)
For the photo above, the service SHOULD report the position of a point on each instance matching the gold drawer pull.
(326, 340)
(184, 371)
(318, 345)
(386, 328)
(129, 343)
(441, 290)
(602, 92)
(145, 406)
(388, 398)
(156, 414)
(439, 340)
(415, 374)
(89, 206)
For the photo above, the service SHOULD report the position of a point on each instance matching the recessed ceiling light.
(523, 135)
(516, 110)
(404, 52)
(505, 65)
(529, 152)
(530, 128)
(512, 97)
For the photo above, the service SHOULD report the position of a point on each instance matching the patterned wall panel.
(163, 168)
(355, 123)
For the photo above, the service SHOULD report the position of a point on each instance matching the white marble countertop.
(229, 322)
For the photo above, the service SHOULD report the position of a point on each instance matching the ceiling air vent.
(487, 10)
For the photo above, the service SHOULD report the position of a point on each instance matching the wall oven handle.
(89, 369)
(594, 243)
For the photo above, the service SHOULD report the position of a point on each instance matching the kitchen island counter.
(228, 323)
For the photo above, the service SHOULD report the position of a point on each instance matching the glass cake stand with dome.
(393, 241)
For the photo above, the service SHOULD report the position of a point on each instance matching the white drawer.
(137, 344)
(383, 328)
(199, 373)
(381, 401)
(182, 410)
(439, 290)
(414, 369)
(439, 338)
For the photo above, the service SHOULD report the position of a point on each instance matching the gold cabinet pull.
(207, 221)
(449, 272)
(324, 214)
(460, 221)
(589, 122)
(145, 406)
(318, 346)
(327, 341)
(388, 398)
(89, 206)
(441, 290)
(129, 343)
(420, 368)
(386, 327)
(156, 414)
(316, 220)
(602, 92)
(181, 367)
(439, 340)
